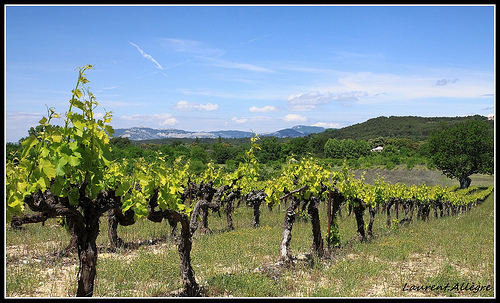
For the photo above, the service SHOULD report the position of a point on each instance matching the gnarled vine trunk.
(229, 207)
(312, 210)
(115, 217)
(359, 210)
(285, 254)
(84, 223)
(372, 211)
(87, 253)
(255, 199)
(335, 200)
(191, 287)
(408, 206)
(184, 244)
(388, 210)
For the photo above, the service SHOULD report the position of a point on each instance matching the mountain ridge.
(148, 133)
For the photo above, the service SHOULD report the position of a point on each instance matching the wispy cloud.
(421, 83)
(312, 100)
(149, 57)
(202, 50)
(239, 120)
(265, 109)
(192, 47)
(255, 39)
(243, 66)
(17, 124)
(110, 87)
(162, 119)
(444, 82)
(187, 106)
(327, 125)
(294, 118)
(255, 119)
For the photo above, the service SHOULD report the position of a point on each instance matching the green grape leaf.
(47, 168)
(27, 145)
(122, 189)
(74, 160)
(43, 121)
(60, 167)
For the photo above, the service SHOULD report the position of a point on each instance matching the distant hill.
(296, 131)
(145, 133)
(411, 127)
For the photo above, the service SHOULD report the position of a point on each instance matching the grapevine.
(66, 172)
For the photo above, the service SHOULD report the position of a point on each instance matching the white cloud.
(243, 66)
(312, 100)
(17, 124)
(149, 57)
(422, 84)
(294, 118)
(155, 119)
(239, 120)
(327, 125)
(187, 106)
(265, 109)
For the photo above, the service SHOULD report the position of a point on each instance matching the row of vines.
(66, 173)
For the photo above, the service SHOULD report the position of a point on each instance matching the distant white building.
(491, 116)
(377, 149)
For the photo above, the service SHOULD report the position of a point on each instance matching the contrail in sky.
(147, 56)
(249, 41)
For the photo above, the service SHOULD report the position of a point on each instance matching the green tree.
(199, 153)
(346, 149)
(11, 150)
(120, 142)
(463, 150)
(333, 149)
(223, 152)
(270, 150)
(133, 151)
(296, 146)
(317, 144)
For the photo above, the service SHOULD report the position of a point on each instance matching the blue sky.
(259, 68)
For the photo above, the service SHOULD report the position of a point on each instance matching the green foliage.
(346, 149)
(63, 159)
(463, 150)
(222, 152)
(198, 153)
(296, 147)
(120, 142)
(404, 137)
(334, 239)
(270, 150)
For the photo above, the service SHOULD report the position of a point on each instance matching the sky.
(249, 68)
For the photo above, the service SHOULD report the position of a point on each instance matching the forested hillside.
(410, 127)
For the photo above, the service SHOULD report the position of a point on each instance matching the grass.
(244, 262)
